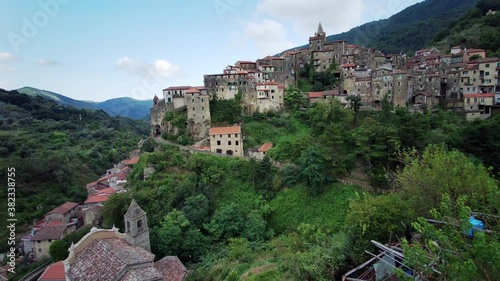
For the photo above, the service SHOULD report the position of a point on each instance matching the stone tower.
(320, 31)
(318, 40)
(136, 226)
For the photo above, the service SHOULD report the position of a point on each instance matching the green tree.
(58, 250)
(114, 209)
(294, 99)
(196, 209)
(377, 218)
(426, 178)
(315, 254)
(313, 170)
(355, 105)
(177, 236)
(446, 253)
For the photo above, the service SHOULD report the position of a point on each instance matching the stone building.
(108, 255)
(226, 140)
(198, 112)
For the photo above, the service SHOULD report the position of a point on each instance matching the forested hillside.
(56, 150)
(126, 107)
(476, 29)
(289, 218)
(409, 30)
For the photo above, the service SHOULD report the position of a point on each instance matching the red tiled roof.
(131, 161)
(98, 198)
(479, 95)
(108, 190)
(349, 65)
(192, 90)
(265, 147)
(54, 272)
(55, 223)
(49, 233)
(105, 259)
(64, 208)
(225, 130)
(177, 88)
(282, 87)
(315, 38)
(172, 268)
(313, 95)
(352, 46)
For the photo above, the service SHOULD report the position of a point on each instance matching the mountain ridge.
(122, 106)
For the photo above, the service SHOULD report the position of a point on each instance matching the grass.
(294, 206)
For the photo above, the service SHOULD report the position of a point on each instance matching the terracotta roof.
(486, 60)
(315, 38)
(265, 147)
(281, 87)
(49, 233)
(64, 208)
(313, 95)
(177, 88)
(225, 130)
(331, 92)
(192, 90)
(54, 272)
(349, 65)
(105, 259)
(352, 46)
(172, 268)
(479, 95)
(98, 198)
(55, 223)
(131, 161)
(474, 66)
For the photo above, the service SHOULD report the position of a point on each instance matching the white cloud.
(268, 36)
(159, 68)
(5, 56)
(336, 16)
(46, 62)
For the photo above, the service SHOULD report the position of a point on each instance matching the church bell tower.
(136, 226)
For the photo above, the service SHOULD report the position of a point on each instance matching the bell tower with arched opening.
(136, 226)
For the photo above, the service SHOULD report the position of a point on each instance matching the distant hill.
(127, 107)
(409, 30)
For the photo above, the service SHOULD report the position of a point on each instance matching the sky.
(97, 50)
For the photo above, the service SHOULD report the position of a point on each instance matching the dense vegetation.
(288, 218)
(56, 150)
(475, 29)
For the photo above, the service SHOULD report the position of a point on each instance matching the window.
(193, 108)
(237, 143)
(214, 136)
(487, 65)
(202, 108)
(487, 73)
(201, 99)
(39, 250)
(192, 100)
(229, 136)
(235, 135)
(229, 143)
(50, 240)
(218, 142)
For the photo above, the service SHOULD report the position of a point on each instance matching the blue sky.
(97, 50)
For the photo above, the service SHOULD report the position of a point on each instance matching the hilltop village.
(463, 80)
